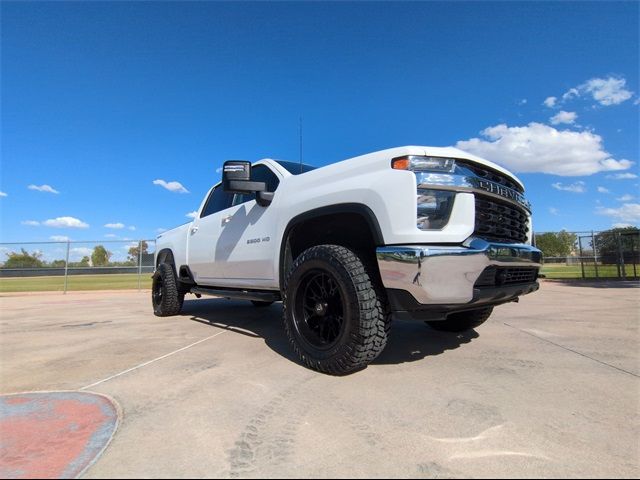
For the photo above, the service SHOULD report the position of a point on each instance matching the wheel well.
(356, 230)
(165, 256)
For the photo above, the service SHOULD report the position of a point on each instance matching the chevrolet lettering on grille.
(500, 190)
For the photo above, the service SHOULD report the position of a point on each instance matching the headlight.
(418, 163)
(434, 208)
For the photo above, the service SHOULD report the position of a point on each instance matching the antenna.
(300, 131)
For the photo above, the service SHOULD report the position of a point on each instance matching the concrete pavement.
(547, 387)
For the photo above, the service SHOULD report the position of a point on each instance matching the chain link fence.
(70, 265)
(609, 254)
(128, 264)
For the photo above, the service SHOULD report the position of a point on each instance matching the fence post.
(139, 264)
(633, 257)
(581, 257)
(621, 255)
(595, 252)
(66, 267)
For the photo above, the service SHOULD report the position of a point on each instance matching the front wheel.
(335, 317)
(166, 297)
(462, 321)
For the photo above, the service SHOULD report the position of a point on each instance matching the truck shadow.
(409, 341)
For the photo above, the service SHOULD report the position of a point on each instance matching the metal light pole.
(139, 264)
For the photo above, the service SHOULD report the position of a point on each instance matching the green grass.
(75, 282)
(130, 280)
(559, 270)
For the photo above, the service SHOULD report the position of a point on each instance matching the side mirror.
(236, 178)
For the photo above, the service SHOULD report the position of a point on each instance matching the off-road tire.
(366, 320)
(260, 304)
(166, 297)
(463, 321)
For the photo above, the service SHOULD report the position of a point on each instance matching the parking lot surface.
(547, 387)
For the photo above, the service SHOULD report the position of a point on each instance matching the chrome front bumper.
(447, 274)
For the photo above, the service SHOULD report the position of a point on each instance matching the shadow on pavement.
(412, 341)
(596, 283)
(409, 341)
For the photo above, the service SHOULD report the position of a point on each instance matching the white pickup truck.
(426, 233)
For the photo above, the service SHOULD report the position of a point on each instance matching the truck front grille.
(499, 276)
(500, 222)
(491, 175)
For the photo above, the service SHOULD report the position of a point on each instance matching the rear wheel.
(335, 317)
(166, 297)
(462, 321)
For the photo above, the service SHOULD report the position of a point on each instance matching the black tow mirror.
(236, 178)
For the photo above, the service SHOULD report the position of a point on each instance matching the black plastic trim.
(357, 208)
(238, 294)
(185, 275)
(405, 305)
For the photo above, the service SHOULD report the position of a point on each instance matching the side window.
(259, 173)
(218, 200)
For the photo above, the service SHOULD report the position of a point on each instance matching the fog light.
(434, 208)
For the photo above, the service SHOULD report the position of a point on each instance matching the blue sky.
(101, 99)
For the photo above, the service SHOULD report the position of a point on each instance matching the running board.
(257, 295)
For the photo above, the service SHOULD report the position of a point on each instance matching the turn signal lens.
(401, 163)
(417, 163)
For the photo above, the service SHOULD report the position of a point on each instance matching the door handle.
(225, 220)
(194, 230)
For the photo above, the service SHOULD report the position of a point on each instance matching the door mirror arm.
(264, 199)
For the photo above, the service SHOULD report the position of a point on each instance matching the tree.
(57, 264)
(556, 244)
(82, 263)
(134, 252)
(610, 242)
(24, 259)
(100, 256)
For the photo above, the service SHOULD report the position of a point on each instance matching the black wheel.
(335, 315)
(166, 297)
(259, 304)
(463, 321)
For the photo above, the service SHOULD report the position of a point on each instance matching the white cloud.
(540, 148)
(43, 188)
(193, 214)
(622, 225)
(607, 91)
(629, 212)
(30, 223)
(131, 227)
(59, 238)
(171, 186)
(522, 102)
(219, 170)
(116, 226)
(578, 187)
(603, 190)
(65, 222)
(563, 117)
(550, 102)
(572, 92)
(161, 230)
(2, 194)
(626, 198)
(622, 176)
(554, 211)
(111, 235)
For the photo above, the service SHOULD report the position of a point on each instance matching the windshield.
(296, 168)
